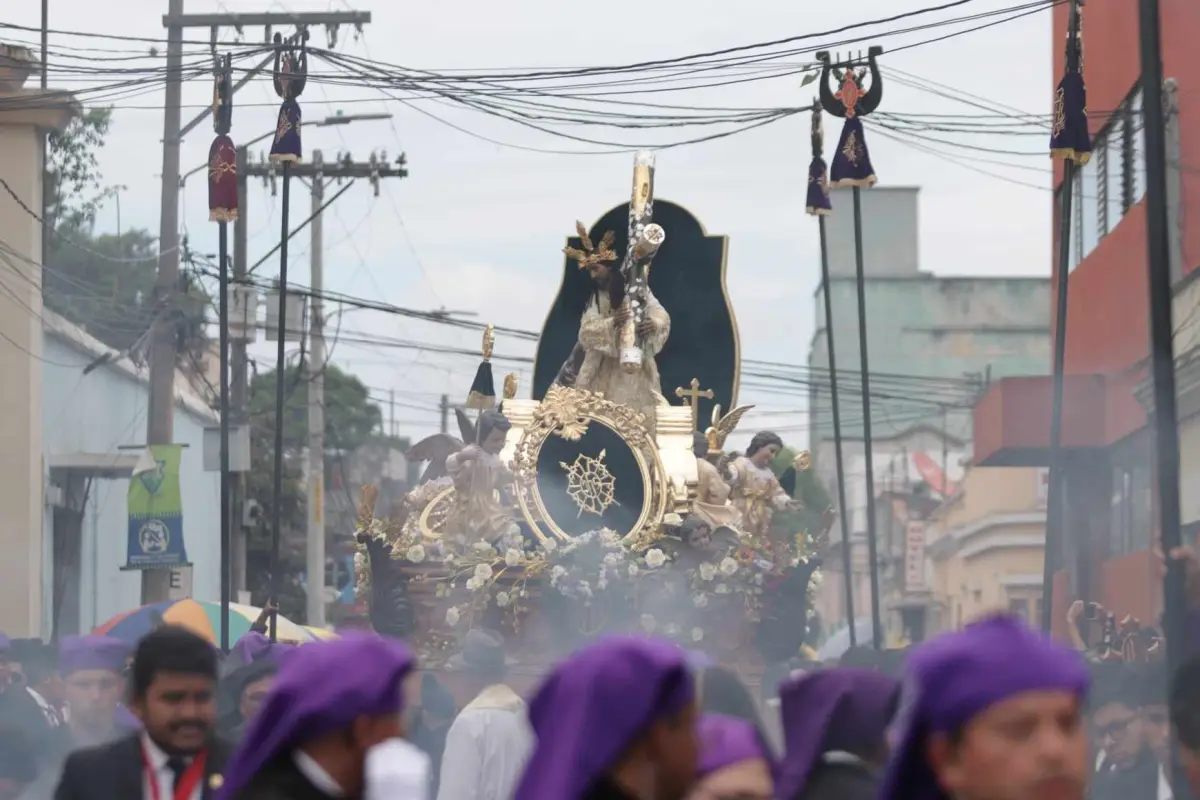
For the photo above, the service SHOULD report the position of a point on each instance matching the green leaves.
(76, 186)
(105, 282)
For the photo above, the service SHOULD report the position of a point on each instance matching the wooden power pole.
(163, 342)
(320, 173)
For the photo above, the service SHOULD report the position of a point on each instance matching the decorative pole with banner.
(851, 166)
(291, 73)
(223, 209)
(155, 506)
(1070, 142)
(817, 204)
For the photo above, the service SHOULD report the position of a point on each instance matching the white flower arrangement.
(655, 558)
(593, 562)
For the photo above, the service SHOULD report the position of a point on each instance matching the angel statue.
(712, 492)
(595, 363)
(480, 508)
(757, 493)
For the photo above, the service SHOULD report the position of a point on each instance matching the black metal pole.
(843, 510)
(226, 499)
(872, 543)
(1054, 496)
(1166, 420)
(1054, 490)
(280, 355)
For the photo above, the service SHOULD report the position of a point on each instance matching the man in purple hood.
(991, 712)
(93, 673)
(615, 721)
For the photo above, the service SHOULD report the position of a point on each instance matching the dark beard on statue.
(614, 285)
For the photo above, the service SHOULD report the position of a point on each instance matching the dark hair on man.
(1114, 682)
(171, 648)
(1152, 685)
(722, 692)
(1185, 704)
(860, 657)
(39, 661)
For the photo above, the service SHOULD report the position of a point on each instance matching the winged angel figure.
(712, 492)
(480, 509)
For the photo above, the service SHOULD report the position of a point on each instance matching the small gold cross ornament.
(693, 396)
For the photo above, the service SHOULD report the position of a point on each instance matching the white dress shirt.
(316, 774)
(162, 774)
(396, 770)
(1164, 785)
(486, 748)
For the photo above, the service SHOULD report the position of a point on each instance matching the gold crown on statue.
(591, 255)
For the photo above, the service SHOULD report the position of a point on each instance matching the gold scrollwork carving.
(567, 412)
(434, 515)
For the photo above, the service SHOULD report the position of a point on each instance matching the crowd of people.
(995, 711)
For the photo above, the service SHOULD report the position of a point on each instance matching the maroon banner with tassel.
(222, 156)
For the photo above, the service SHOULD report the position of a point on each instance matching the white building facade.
(93, 425)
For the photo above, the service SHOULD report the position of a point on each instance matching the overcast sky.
(479, 226)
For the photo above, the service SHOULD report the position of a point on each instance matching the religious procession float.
(599, 505)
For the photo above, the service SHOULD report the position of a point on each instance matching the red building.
(1109, 510)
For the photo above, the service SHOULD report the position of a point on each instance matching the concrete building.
(1109, 521)
(26, 115)
(82, 532)
(934, 343)
(982, 548)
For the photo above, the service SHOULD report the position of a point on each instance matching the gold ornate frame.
(567, 412)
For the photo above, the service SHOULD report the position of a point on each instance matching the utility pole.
(444, 408)
(315, 563)
(391, 412)
(160, 415)
(239, 389)
(319, 173)
(163, 344)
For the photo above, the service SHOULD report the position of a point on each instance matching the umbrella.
(839, 642)
(320, 634)
(200, 616)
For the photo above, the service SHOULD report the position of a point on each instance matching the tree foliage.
(809, 492)
(105, 282)
(351, 421)
(75, 187)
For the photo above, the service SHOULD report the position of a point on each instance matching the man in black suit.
(176, 756)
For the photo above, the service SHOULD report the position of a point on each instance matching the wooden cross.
(693, 395)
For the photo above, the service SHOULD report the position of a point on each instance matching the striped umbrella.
(202, 617)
